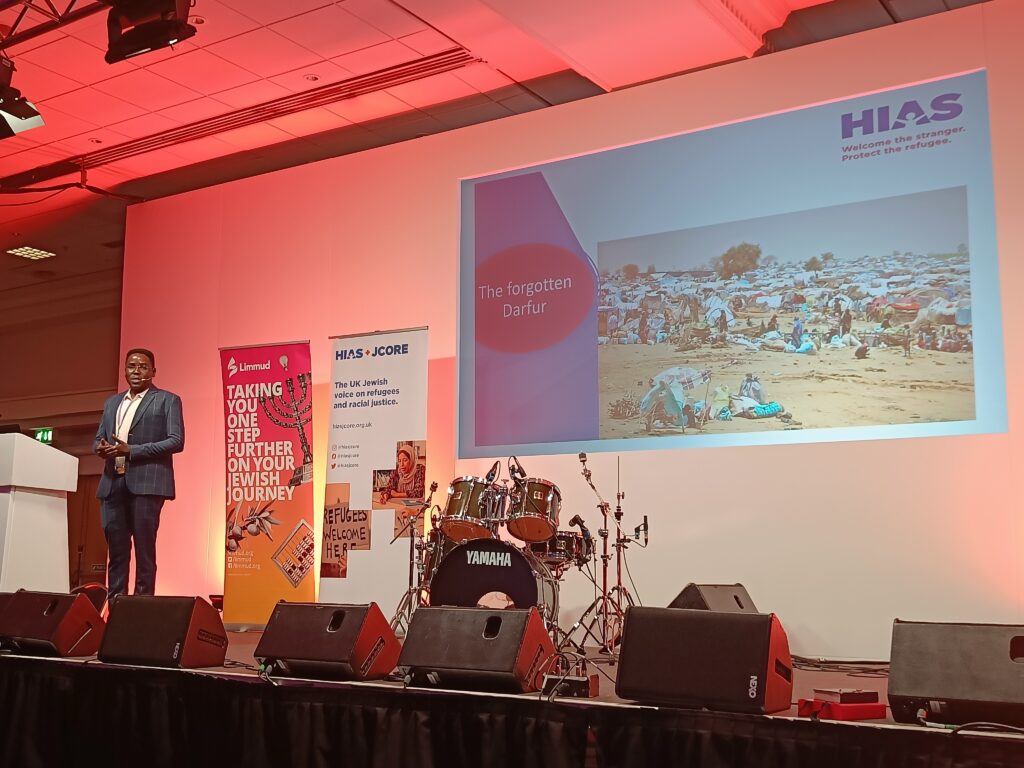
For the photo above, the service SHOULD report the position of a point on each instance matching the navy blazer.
(157, 432)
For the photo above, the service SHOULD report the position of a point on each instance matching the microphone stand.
(602, 620)
(413, 595)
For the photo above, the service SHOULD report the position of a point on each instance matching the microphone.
(583, 458)
(519, 468)
(492, 473)
(578, 521)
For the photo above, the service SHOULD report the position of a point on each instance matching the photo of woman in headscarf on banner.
(408, 478)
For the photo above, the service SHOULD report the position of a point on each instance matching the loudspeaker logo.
(752, 690)
(177, 650)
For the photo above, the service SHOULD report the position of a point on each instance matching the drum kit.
(465, 560)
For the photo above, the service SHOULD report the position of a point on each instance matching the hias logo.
(232, 368)
(385, 350)
(889, 118)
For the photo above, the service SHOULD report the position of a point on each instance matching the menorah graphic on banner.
(294, 412)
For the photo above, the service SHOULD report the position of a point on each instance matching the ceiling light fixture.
(27, 252)
(135, 27)
(17, 113)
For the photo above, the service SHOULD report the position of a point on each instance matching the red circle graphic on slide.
(531, 296)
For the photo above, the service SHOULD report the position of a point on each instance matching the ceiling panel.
(433, 90)
(300, 80)
(192, 111)
(72, 55)
(330, 31)
(253, 136)
(483, 77)
(309, 122)
(376, 57)
(37, 83)
(254, 93)
(59, 126)
(144, 125)
(203, 72)
(264, 52)
(427, 42)
(215, 21)
(269, 11)
(147, 90)
(90, 141)
(387, 17)
(95, 106)
(371, 106)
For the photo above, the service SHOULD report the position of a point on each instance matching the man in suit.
(140, 431)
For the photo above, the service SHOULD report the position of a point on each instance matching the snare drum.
(534, 508)
(472, 509)
(483, 567)
(563, 550)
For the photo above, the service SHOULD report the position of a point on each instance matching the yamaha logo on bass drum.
(502, 559)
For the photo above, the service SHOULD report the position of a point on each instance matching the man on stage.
(140, 431)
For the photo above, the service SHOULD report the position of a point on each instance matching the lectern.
(34, 484)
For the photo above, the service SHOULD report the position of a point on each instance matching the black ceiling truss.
(25, 27)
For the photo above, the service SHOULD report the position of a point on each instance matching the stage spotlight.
(17, 114)
(135, 27)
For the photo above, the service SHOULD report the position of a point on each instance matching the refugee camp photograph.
(850, 315)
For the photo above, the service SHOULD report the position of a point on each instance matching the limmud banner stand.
(268, 534)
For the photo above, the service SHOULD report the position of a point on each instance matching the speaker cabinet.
(733, 662)
(324, 641)
(957, 673)
(183, 632)
(731, 598)
(50, 624)
(477, 648)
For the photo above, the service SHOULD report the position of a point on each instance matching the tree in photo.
(737, 260)
(630, 271)
(813, 264)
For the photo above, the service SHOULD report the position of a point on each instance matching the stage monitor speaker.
(477, 648)
(715, 597)
(957, 673)
(324, 641)
(50, 624)
(184, 632)
(733, 662)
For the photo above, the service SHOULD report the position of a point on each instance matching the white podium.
(34, 484)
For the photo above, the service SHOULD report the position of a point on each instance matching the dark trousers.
(127, 519)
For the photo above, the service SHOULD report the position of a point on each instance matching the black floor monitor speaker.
(325, 641)
(715, 597)
(733, 662)
(957, 673)
(184, 632)
(49, 624)
(477, 648)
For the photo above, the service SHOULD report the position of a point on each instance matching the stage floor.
(82, 712)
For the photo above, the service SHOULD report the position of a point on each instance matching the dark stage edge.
(74, 713)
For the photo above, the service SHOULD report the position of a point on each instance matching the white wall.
(922, 529)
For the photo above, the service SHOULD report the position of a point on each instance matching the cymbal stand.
(412, 597)
(603, 618)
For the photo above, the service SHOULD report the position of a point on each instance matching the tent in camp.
(715, 306)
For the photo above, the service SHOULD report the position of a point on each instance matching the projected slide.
(823, 274)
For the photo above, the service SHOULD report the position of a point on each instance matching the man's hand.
(111, 450)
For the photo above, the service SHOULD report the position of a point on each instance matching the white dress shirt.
(126, 413)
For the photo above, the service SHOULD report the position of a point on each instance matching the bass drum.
(478, 568)
(435, 549)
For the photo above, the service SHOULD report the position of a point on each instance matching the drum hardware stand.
(602, 620)
(414, 593)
